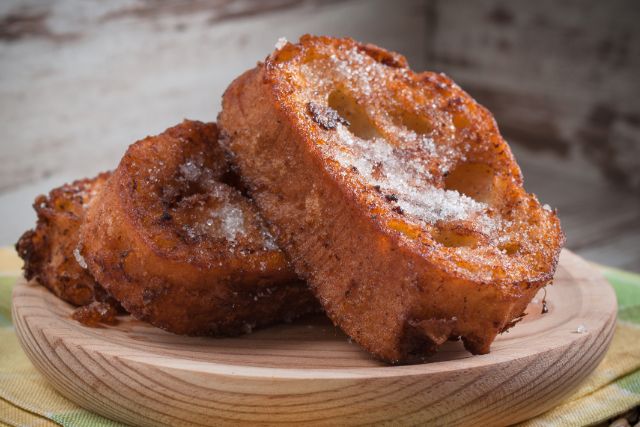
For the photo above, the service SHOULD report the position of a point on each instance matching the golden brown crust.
(393, 193)
(48, 250)
(181, 249)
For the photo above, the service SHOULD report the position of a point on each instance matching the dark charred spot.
(166, 216)
(353, 286)
(455, 104)
(391, 197)
(398, 210)
(325, 116)
(377, 188)
(383, 56)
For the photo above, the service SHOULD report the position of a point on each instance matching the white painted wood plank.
(70, 105)
(75, 105)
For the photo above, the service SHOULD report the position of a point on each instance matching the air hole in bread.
(414, 122)
(510, 248)
(348, 108)
(410, 231)
(455, 238)
(472, 179)
(461, 120)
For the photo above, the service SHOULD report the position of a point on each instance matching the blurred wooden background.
(563, 80)
(81, 80)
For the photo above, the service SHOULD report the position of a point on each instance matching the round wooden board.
(309, 372)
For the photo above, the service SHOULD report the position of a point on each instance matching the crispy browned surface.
(182, 250)
(393, 193)
(48, 250)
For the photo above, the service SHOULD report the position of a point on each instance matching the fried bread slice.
(179, 248)
(50, 251)
(393, 193)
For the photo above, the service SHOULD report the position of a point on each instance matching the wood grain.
(309, 372)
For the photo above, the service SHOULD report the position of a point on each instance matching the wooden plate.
(309, 372)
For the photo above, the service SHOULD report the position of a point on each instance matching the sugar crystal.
(79, 258)
(581, 329)
(281, 42)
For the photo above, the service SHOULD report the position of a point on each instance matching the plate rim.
(603, 294)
